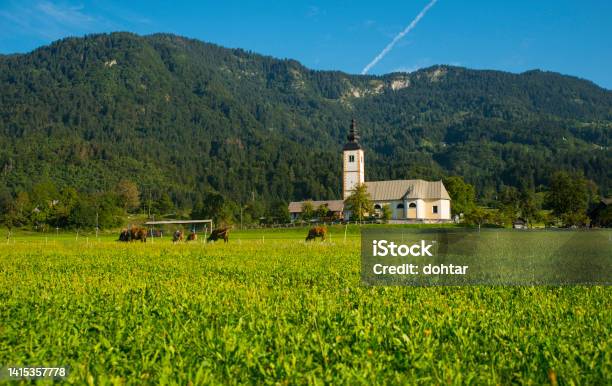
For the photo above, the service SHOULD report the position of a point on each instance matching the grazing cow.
(132, 234)
(192, 236)
(124, 235)
(221, 233)
(315, 232)
(177, 236)
(139, 234)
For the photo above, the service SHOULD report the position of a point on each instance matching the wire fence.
(303, 224)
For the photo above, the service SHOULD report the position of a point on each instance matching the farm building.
(335, 208)
(408, 200)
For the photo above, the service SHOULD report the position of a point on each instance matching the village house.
(410, 201)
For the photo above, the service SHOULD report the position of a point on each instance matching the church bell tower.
(353, 166)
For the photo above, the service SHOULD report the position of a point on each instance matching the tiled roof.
(333, 205)
(410, 189)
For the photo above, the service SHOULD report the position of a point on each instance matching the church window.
(400, 206)
(412, 205)
(351, 158)
(434, 209)
(377, 207)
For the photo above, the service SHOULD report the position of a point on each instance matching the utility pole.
(242, 207)
(149, 202)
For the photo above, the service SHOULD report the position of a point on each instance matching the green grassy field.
(268, 308)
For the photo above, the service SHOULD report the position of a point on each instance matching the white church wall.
(435, 210)
(420, 209)
(445, 212)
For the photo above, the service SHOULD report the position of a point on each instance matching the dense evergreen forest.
(182, 119)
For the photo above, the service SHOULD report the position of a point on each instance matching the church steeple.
(353, 138)
(353, 165)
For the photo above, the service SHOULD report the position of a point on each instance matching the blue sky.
(571, 37)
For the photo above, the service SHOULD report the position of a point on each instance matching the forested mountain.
(182, 116)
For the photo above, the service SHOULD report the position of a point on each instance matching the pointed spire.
(353, 133)
(353, 137)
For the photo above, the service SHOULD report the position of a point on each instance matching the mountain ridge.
(247, 51)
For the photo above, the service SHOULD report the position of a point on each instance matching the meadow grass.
(272, 309)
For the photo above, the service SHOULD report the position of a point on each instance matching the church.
(410, 201)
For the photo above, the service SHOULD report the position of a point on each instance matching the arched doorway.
(412, 210)
(399, 211)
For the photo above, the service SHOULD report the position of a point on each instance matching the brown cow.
(221, 233)
(139, 234)
(177, 236)
(134, 233)
(315, 232)
(192, 236)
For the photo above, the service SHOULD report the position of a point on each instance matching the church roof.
(332, 205)
(410, 189)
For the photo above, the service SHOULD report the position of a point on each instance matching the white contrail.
(397, 38)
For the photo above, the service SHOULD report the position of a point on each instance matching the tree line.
(568, 201)
(47, 207)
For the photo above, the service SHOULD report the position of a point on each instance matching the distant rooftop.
(332, 205)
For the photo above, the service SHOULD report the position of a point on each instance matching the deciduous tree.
(359, 202)
(477, 216)
(308, 211)
(568, 197)
(128, 194)
(463, 195)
